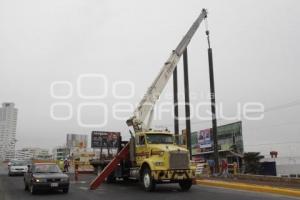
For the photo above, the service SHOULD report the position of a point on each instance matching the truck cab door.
(141, 149)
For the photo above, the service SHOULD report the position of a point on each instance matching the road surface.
(12, 188)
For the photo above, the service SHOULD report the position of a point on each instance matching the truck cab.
(160, 160)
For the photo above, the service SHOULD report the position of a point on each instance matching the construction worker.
(66, 165)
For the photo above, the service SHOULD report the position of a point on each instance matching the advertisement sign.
(204, 138)
(228, 135)
(77, 141)
(201, 141)
(105, 139)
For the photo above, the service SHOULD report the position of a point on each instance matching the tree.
(252, 162)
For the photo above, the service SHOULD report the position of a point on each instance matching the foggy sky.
(256, 58)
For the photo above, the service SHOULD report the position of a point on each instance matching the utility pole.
(187, 101)
(175, 96)
(213, 104)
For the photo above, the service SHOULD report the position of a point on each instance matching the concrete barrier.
(250, 187)
(267, 178)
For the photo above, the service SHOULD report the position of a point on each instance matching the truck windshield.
(159, 139)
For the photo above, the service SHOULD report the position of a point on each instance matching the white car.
(17, 168)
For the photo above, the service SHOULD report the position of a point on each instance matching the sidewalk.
(250, 187)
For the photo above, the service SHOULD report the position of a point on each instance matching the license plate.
(180, 177)
(54, 184)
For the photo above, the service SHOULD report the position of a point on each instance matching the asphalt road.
(12, 188)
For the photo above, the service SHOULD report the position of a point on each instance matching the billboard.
(228, 135)
(77, 141)
(204, 138)
(105, 139)
(201, 140)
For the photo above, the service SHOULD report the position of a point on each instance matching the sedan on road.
(17, 167)
(45, 176)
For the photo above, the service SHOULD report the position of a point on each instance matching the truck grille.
(179, 160)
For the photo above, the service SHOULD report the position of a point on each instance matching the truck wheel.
(185, 185)
(148, 182)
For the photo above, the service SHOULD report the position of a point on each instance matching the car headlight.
(40, 180)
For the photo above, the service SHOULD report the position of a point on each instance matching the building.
(230, 143)
(32, 153)
(24, 154)
(60, 153)
(8, 125)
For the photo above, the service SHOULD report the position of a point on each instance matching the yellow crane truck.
(151, 156)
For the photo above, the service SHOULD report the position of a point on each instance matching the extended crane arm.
(146, 105)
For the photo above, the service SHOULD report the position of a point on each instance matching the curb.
(251, 187)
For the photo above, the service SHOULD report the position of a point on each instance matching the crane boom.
(146, 105)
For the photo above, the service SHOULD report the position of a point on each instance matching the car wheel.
(148, 182)
(185, 185)
(65, 190)
(32, 189)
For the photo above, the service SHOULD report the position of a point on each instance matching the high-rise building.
(8, 125)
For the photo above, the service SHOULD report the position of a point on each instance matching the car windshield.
(46, 169)
(18, 163)
(159, 139)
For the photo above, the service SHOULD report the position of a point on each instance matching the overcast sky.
(256, 57)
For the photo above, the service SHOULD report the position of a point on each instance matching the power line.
(274, 125)
(283, 106)
(275, 143)
(270, 109)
